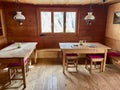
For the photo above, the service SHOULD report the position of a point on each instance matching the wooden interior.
(46, 71)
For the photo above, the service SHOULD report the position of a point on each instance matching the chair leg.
(27, 69)
(9, 74)
(101, 66)
(95, 64)
(76, 64)
(66, 64)
(86, 63)
(91, 66)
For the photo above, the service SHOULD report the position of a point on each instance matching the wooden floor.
(47, 75)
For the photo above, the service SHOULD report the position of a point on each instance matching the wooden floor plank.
(47, 74)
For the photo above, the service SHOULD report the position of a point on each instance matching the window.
(58, 22)
(54, 21)
(46, 22)
(70, 21)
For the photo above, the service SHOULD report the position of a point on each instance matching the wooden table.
(87, 48)
(14, 54)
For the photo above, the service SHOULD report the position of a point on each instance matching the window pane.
(58, 21)
(70, 21)
(46, 22)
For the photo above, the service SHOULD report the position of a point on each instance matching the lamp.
(19, 16)
(89, 17)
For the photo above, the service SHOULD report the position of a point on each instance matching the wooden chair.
(16, 68)
(94, 58)
(71, 61)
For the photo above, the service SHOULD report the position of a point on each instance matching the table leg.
(35, 56)
(104, 62)
(23, 74)
(63, 62)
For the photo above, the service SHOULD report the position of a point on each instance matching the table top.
(88, 45)
(12, 51)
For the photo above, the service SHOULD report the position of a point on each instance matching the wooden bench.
(114, 57)
(115, 60)
(57, 50)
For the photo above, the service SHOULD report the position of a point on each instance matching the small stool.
(94, 58)
(13, 69)
(71, 61)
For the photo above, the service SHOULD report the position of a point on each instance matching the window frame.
(52, 10)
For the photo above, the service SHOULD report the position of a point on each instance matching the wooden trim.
(52, 20)
(64, 21)
(38, 22)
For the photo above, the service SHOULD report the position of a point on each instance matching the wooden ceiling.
(64, 2)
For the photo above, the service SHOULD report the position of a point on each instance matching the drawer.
(100, 50)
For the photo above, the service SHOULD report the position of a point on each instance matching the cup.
(84, 42)
(81, 42)
(19, 45)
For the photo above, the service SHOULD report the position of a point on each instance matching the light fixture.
(19, 16)
(89, 17)
(104, 0)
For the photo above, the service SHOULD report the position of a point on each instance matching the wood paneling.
(3, 42)
(29, 30)
(113, 30)
(113, 43)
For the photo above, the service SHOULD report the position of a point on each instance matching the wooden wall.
(113, 30)
(3, 40)
(29, 30)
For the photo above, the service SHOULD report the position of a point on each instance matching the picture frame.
(116, 19)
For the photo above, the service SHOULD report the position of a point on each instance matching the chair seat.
(17, 64)
(113, 54)
(71, 54)
(14, 64)
(94, 56)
